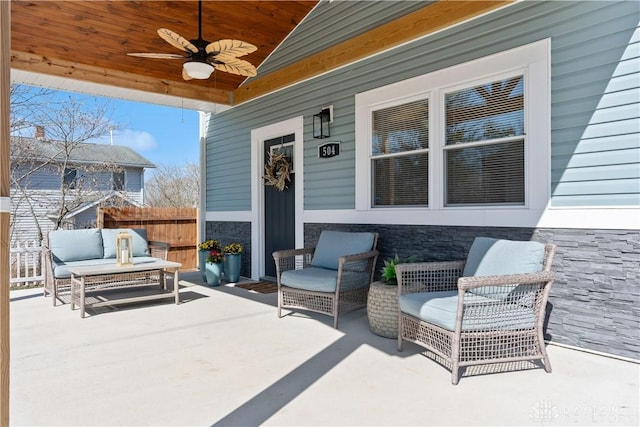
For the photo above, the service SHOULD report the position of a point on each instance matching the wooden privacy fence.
(176, 226)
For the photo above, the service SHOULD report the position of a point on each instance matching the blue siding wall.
(48, 178)
(595, 110)
(595, 121)
(347, 18)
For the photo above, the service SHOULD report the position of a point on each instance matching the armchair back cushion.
(74, 245)
(493, 257)
(140, 243)
(334, 244)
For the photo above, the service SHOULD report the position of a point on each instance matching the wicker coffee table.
(88, 281)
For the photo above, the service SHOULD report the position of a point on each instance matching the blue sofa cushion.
(140, 243)
(492, 257)
(440, 308)
(323, 279)
(73, 245)
(334, 244)
(61, 270)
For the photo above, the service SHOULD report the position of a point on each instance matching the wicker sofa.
(332, 278)
(485, 310)
(88, 247)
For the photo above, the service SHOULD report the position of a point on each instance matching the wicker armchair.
(332, 278)
(493, 315)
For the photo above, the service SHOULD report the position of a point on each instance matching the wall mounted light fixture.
(321, 123)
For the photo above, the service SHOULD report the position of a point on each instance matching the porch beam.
(5, 94)
(75, 70)
(429, 19)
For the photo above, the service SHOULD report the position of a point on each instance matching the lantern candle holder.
(124, 249)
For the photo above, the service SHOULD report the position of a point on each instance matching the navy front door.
(279, 207)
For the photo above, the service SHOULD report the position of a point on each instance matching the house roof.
(82, 153)
(88, 42)
(113, 194)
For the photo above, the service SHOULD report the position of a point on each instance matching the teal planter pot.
(202, 262)
(213, 273)
(232, 264)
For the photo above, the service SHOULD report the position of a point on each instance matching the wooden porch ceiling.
(89, 40)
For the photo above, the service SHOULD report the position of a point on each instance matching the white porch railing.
(25, 263)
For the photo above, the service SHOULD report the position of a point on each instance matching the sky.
(163, 135)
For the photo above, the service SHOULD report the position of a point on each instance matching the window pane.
(401, 128)
(401, 180)
(490, 111)
(70, 177)
(118, 181)
(489, 174)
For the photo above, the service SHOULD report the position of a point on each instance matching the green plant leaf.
(388, 271)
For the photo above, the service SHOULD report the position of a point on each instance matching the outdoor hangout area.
(223, 357)
(356, 213)
(247, 352)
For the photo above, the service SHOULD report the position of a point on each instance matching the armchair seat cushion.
(480, 313)
(322, 279)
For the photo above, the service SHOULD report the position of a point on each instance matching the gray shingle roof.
(81, 153)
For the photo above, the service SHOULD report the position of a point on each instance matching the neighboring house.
(521, 123)
(89, 176)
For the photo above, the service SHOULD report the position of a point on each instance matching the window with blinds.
(484, 144)
(400, 155)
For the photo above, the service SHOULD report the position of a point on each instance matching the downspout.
(202, 210)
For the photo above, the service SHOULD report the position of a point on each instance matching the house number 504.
(329, 149)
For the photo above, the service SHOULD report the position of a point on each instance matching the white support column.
(5, 204)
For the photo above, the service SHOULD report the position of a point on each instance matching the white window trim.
(533, 60)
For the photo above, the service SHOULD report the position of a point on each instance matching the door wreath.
(277, 171)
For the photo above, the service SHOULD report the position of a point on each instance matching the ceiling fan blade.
(158, 55)
(177, 40)
(230, 47)
(185, 75)
(234, 66)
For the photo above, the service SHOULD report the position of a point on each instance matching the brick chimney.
(39, 133)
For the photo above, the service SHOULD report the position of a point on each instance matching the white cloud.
(136, 139)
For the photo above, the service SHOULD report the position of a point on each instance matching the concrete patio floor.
(222, 357)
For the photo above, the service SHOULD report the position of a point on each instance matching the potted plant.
(232, 261)
(213, 267)
(388, 271)
(203, 251)
(383, 308)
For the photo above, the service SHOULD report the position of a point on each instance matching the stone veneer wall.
(228, 232)
(595, 300)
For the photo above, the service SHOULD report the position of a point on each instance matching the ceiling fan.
(204, 56)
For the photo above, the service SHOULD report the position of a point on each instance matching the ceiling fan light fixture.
(198, 70)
